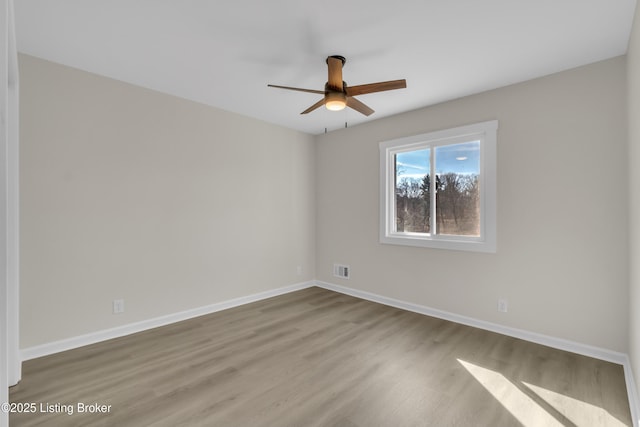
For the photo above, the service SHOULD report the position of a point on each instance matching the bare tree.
(456, 199)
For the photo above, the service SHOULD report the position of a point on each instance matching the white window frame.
(486, 133)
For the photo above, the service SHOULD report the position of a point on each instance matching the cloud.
(412, 166)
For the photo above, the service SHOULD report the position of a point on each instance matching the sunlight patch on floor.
(525, 409)
(521, 406)
(579, 412)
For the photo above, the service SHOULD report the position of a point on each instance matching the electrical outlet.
(118, 306)
(299, 270)
(503, 305)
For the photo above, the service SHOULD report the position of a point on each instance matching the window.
(438, 190)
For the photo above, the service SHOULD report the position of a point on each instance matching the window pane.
(457, 189)
(412, 191)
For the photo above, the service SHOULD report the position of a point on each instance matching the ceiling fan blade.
(314, 106)
(359, 106)
(335, 73)
(376, 87)
(319, 92)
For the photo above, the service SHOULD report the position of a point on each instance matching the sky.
(460, 158)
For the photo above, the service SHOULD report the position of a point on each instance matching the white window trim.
(487, 133)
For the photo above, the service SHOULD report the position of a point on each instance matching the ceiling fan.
(337, 95)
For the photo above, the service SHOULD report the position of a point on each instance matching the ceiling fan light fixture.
(335, 101)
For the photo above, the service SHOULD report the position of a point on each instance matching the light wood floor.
(319, 358)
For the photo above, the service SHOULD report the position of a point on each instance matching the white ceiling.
(224, 52)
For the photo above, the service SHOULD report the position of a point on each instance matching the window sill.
(449, 243)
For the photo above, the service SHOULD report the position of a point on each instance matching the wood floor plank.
(320, 358)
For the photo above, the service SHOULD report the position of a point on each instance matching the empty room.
(296, 213)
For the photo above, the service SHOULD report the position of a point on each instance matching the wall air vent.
(341, 271)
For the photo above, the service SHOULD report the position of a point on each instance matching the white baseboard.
(120, 331)
(549, 341)
(634, 403)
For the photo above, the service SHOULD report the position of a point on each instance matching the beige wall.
(172, 205)
(562, 210)
(633, 73)
(168, 204)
